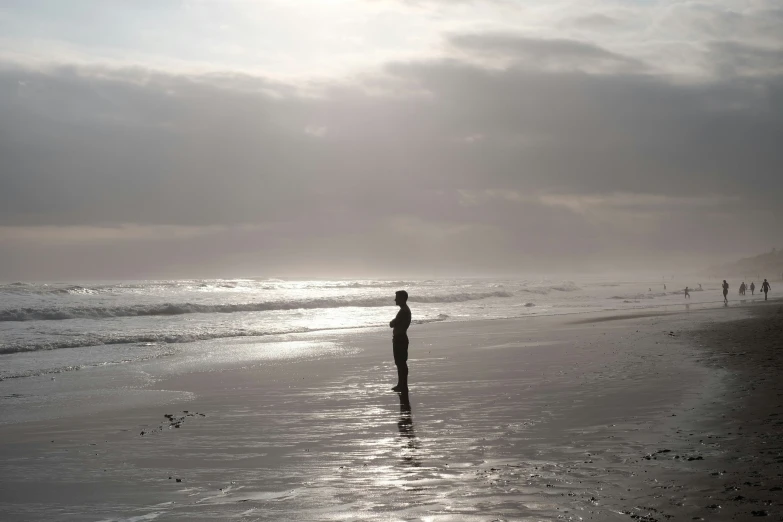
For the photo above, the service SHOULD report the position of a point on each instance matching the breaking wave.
(169, 309)
(565, 286)
(637, 297)
(22, 288)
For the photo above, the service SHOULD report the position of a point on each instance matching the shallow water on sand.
(552, 422)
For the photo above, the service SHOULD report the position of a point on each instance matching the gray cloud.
(596, 22)
(443, 164)
(740, 60)
(555, 54)
(721, 21)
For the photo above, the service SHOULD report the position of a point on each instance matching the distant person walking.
(664, 286)
(687, 295)
(700, 288)
(752, 287)
(725, 292)
(765, 288)
(742, 288)
(400, 325)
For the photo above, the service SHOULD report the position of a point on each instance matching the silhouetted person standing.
(400, 325)
(752, 287)
(725, 292)
(742, 288)
(687, 295)
(765, 288)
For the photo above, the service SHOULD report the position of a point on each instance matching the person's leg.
(401, 360)
(396, 351)
(402, 376)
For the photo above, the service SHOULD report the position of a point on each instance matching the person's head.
(400, 297)
(765, 280)
(724, 280)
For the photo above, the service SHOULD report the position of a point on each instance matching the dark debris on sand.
(174, 421)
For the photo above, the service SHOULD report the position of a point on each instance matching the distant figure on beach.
(687, 295)
(649, 289)
(765, 288)
(700, 288)
(742, 288)
(725, 292)
(664, 286)
(752, 287)
(400, 339)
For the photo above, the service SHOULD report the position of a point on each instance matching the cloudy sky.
(164, 138)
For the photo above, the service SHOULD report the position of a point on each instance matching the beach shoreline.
(528, 419)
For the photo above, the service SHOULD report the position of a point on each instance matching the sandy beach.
(646, 417)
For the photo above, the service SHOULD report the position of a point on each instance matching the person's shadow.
(405, 426)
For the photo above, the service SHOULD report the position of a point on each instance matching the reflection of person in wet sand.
(687, 295)
(400, 339)
(765, 288)
(405, 425)
(725, 292)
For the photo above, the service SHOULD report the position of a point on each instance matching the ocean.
(48, 328)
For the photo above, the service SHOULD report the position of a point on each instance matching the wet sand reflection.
(405, 426)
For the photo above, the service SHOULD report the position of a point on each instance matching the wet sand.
(612, 418)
